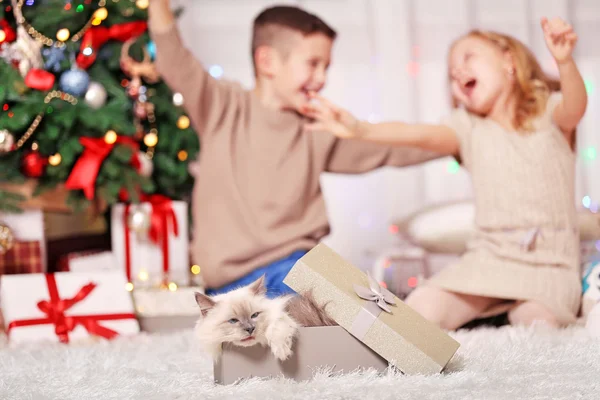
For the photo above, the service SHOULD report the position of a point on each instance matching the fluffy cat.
(246, 317)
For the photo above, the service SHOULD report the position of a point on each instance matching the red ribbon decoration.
(85, 171)
(9, 32)
(55, 314)
(95, 37)
(162, 214)
(38, 79)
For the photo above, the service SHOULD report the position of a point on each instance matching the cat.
(246, 317)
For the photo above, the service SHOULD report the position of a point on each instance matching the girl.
(514, 132)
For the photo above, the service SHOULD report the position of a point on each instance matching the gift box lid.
(372, 314)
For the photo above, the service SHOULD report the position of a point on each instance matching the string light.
(54, 160)
(453, 167)
(151, 139)
(178, 99)
(586, 201)
(2, 36)
(110, 137)
(393, 229)
(183, 122)
(143, 275)
(129, 286)
(63, 34)
(142, 4)
(383, 284)
(589, 86)
(412, 282)
(195, 269)
(172, 286)
(216, 71)
(182, 155)
(101, 13)
(590, 153)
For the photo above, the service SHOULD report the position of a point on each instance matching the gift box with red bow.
(150, 241)
(66, 306)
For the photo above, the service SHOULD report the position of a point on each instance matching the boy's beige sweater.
(257, 196)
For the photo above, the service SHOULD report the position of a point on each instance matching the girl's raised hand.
(329, 118)
(560, 38)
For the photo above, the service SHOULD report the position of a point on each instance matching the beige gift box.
(375, 327)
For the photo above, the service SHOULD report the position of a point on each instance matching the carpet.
(492, 363)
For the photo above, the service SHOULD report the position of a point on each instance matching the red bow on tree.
(86, 169)
(95, 37)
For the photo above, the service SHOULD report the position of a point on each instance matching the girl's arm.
(332, 119)
(561, 40)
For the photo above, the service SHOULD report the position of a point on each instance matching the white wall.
(389, 63)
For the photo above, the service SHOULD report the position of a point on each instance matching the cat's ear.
(205, 302)
(258, 287)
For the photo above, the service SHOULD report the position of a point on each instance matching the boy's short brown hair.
(270, 24)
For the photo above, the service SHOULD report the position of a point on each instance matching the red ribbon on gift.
(95, 37)
(163, 221)
(85, 171)
(63, 324)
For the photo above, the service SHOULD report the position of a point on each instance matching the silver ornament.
(95, 97)
(138, 220)
(7, 239)
(6, 141)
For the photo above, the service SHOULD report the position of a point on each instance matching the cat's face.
(238, 317)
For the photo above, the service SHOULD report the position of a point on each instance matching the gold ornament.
(7, 239)
(183, 122)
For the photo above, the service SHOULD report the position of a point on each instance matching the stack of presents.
(145, 283)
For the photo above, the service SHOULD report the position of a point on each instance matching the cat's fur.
(246, 317)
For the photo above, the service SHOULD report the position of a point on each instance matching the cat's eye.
(233, 320)
(254, 315)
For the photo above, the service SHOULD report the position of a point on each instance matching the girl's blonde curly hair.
(532, 86)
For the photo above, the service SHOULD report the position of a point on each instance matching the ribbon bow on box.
(56, 307)
(381, 296)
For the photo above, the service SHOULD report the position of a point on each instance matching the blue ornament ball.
(75, 82)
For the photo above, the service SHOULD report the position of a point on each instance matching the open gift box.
(375, 329)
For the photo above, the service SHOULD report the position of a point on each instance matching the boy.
(257, 203)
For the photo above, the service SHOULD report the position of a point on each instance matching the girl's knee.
(530, 312)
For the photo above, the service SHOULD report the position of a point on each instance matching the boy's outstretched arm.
(205, 99)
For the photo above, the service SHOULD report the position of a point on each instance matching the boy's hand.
(330, 118)
(560, 38)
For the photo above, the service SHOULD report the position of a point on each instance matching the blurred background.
(390, 63)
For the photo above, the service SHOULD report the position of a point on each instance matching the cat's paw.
(283, 350)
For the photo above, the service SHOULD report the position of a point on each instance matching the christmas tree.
(83, 106)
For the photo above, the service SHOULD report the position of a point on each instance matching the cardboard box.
(371, 314)
(324, 347)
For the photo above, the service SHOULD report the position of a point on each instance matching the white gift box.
(146, 256)
(103, 261)
(21, 296)
(27, 226)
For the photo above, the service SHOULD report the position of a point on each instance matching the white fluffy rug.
(515, 363)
